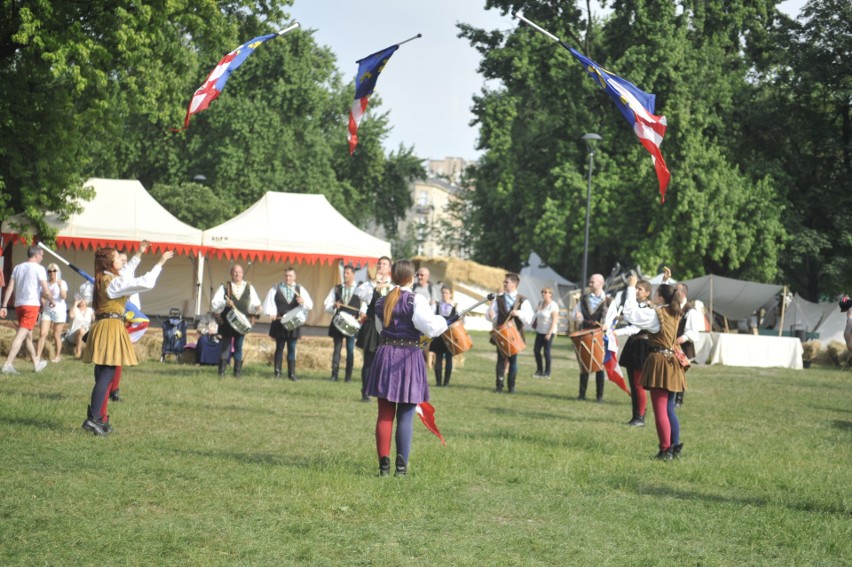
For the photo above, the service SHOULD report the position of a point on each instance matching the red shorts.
(27, 315)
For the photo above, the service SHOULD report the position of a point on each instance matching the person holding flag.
(661, 373)
(398, 374)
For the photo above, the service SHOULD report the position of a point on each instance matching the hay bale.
(837, 353)
(451, 270)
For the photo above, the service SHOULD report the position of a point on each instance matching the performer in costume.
(662, 374)
(280, 300)
(691, 323)
(398, 373)
(109, 344)
(590, 313)
(55, 315)
(240, 295)
(368, 335)
(845, 304)
(634, 353)
(443, 357)
(510, 308)
(342, 298)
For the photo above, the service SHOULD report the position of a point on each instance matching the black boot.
(499, 388)
(678, 399)
(278, 372)
(115, 396)
(401, 466)
(584, 383)
(599, 386)
(335, 369)
(384, 466)
(349, 365)
(676, 450)
(238, 368)
(223, 365)
(291, 370)
(95, 425)
(438, 377)
(512, 377)
(447, 378)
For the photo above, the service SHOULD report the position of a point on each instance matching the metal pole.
(588, 211)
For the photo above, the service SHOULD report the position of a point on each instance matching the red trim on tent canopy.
(286, 257)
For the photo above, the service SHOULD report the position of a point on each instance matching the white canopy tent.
(121, 214)
(735, 299)
(289, 229)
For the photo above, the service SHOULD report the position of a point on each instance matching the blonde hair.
(53, 266)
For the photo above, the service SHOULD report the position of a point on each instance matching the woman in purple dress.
(398, 375)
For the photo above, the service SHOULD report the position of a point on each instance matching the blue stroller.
(174, 335)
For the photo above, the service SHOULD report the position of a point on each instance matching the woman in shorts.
(56, 315)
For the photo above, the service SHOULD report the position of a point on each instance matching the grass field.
(203, 471)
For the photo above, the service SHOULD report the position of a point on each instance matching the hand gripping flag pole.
(215, 82)
(635, 105)
(365, 81)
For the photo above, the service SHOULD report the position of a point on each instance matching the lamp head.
(590, 140)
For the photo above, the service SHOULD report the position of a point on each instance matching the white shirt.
(56, 288)
(640, 317)
(544, 318)
(269, 302)
(366, 289)
(81, 319)
(217, 304)
(424, 318)
(525, 313)
(328, 304)
(124, 285)
(694, 325)
(28, 277)
(129, 270)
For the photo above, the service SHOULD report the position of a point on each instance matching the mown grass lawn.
(203, 471)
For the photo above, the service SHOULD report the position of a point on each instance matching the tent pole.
(712, 313)
(199, 277)
(783, 309)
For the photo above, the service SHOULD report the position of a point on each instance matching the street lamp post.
(590, 146)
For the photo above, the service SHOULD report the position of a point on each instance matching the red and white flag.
(427, 416)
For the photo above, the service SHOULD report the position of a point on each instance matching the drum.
(294, 318)
(239, 322)
(589, 347)
(508, 339)
(457, 338)
(346, 324)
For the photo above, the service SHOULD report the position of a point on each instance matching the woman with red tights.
(661, 374)
(398, 374)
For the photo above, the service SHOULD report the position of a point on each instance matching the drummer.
(343, 299)
(281, 299)
(590, 314)
(241, 296)
(446, 309)
(510, 308)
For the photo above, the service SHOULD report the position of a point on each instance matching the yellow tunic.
(662, 370)
(109, 343)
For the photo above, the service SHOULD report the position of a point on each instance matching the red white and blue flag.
(637, 106)
(368, 73)
(215, 82)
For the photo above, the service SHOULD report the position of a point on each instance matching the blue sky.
(428, 85)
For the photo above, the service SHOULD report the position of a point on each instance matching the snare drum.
(238, 321)
(508, 339)
(589, 347)
(294, 318)
(346, 324)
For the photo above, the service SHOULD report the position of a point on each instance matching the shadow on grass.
(313, 463)
(51, 396)
(756, 501)
(842, 425)
(31, 422)
(545, 415)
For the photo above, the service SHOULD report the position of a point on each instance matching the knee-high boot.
(599, 386)
(238, 368)
(223, 364)
(291, 370)
(584, 383)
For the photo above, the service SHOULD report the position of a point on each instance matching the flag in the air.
(215, 82)
(637, 106)
(368, 73)
(427, 416)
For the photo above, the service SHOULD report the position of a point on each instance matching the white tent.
(284, 229)
(537, 268)
(122, 214)
(735, 299)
